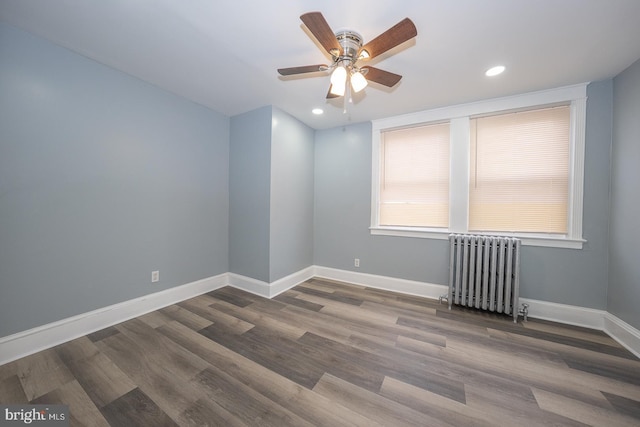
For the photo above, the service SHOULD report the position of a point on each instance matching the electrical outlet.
(155, 276)
(356, 262)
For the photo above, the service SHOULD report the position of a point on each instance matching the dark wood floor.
(331, 354)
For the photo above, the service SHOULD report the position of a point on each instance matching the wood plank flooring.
(331, 354)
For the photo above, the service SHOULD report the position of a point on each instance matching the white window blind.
(414, 178)
(519, 171)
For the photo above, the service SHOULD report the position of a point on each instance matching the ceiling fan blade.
(394, 36)
(321, 30)
(382, 77)
(301, 70)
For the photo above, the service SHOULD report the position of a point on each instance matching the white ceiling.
(224, 53)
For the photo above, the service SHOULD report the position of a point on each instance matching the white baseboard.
(270, 290)
(40, 338)
(249, 284)
(24, 343)
(288, 282)
(410, 287)
(625, 334)
(568, 314)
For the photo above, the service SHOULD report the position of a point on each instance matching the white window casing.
(459, 118)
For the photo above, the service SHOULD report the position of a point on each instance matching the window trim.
(459, 116)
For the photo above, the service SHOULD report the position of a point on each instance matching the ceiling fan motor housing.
(351, 43)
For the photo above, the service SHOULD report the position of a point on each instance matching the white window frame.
(459, 116)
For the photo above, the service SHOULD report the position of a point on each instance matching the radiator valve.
(524, 311)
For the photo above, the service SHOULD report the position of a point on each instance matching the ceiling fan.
(346, 49)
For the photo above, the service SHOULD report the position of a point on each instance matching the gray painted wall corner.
(623, 298)
(292, 196)
(250, 193)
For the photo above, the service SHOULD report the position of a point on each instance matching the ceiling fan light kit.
(358, 81)
(346, 49)
(338, 80)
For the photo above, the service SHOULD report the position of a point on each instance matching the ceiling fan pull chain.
(347, 97)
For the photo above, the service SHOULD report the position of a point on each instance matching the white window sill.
(442, 234)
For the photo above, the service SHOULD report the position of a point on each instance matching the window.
(519, 172)
(414, 182)
(510, 166)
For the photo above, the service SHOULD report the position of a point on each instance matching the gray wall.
(343, 215)
(103, 178)
(624, 273)
(580, 277)
(342, 218)
(291, 242)
(250, 192)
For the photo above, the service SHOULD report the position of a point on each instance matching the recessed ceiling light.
(494, 71)
(317, 111)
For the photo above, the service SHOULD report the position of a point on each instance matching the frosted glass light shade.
(338, 81)
(358, 82)
(339, 76)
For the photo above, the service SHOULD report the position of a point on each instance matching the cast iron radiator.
(484, 273)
